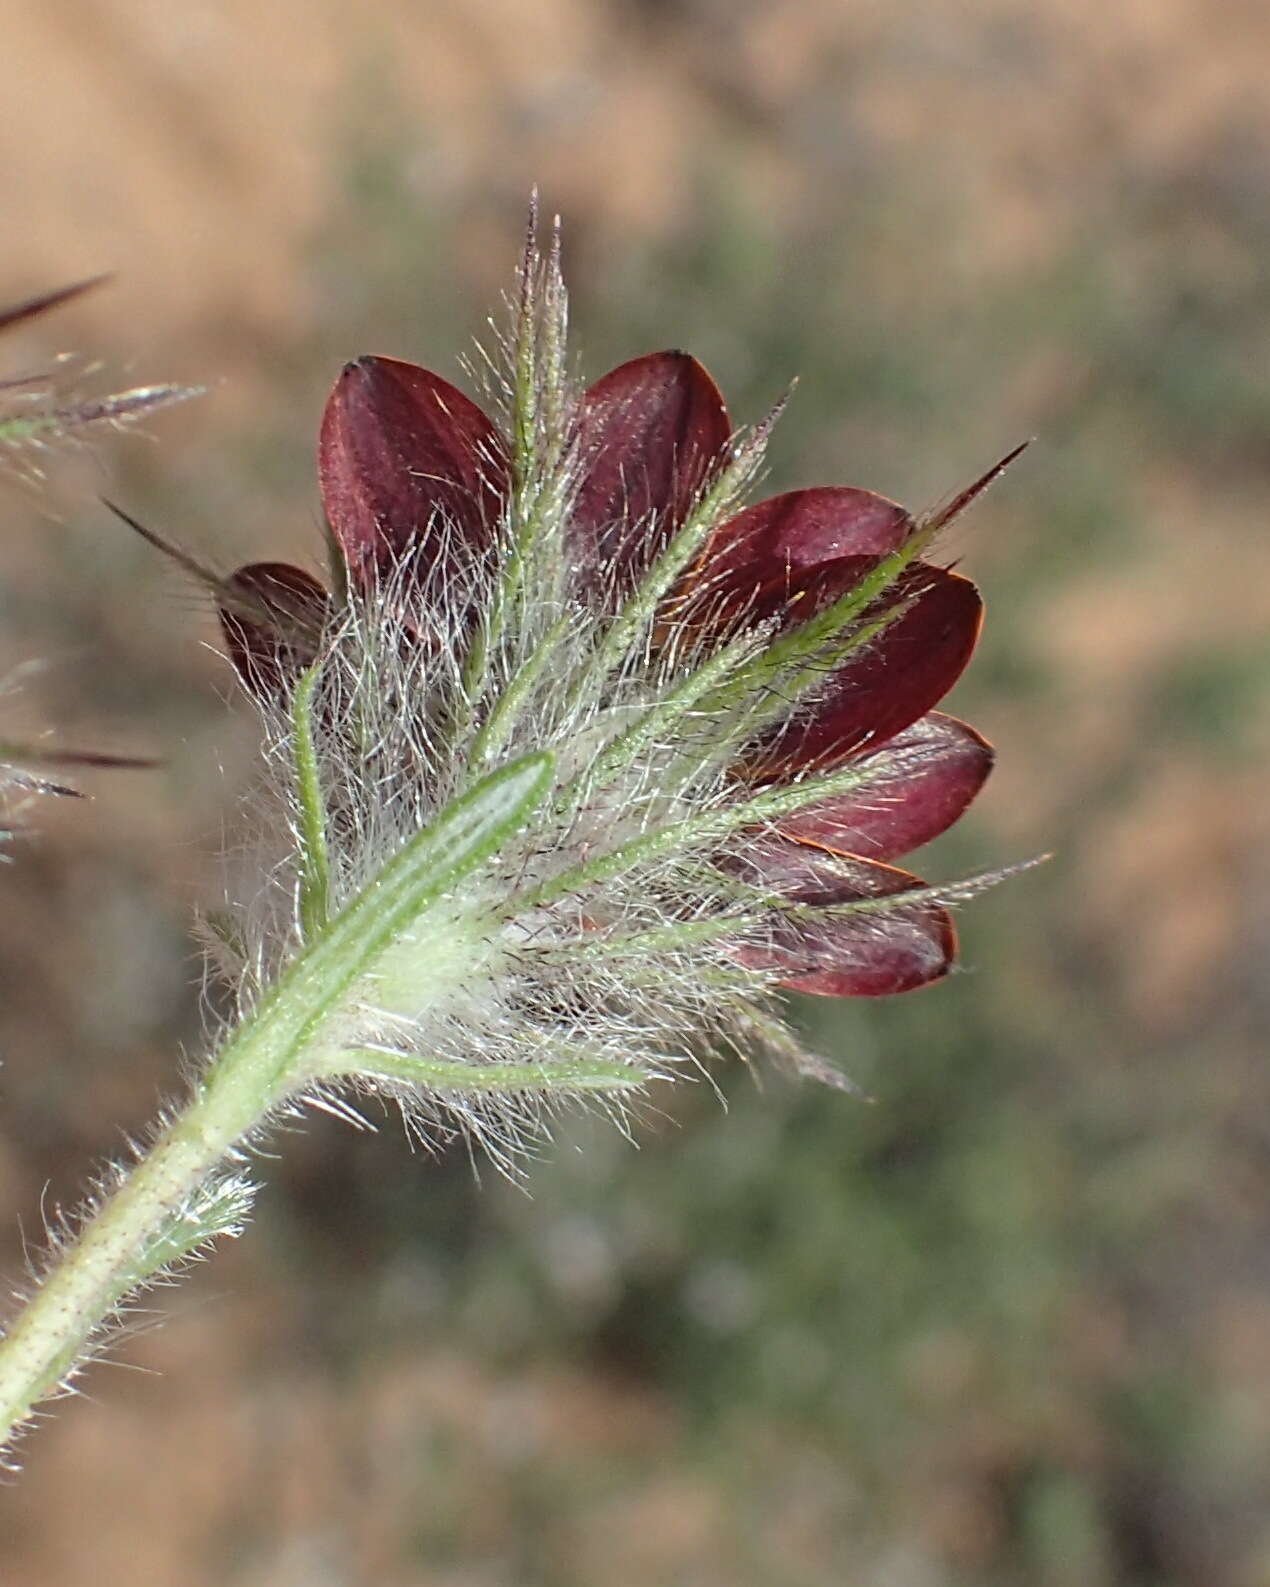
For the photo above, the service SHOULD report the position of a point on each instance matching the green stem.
(660, 719)
(695, 832)
(503, 715)
(524, 1079)
(273, 1055)
(315, 865)
(109, 1258)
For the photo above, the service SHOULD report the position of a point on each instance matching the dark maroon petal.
(889, 682)
(804, 527)
(651, 433)
(914, 788)
(405, 458)
(873, 953)
(274, 627)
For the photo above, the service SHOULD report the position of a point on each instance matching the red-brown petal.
(874, 953)
(804, 527)
(404, 457)
(274, 633)
(651, 433)
(890, 682)
(915, 787)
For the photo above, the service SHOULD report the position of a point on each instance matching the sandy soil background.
(1012, 1322)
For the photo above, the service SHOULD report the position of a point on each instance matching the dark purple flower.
(415, 476)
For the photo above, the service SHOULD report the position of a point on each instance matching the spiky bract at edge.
(647, 911)
(36, 413)
(33, 420)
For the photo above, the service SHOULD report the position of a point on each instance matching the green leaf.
(315, 867)
(577, 1072)
(219, 1206)
(284, 1039)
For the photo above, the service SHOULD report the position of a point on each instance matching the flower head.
(575, 759)
(737, 702)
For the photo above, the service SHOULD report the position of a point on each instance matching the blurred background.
(1009, 1320)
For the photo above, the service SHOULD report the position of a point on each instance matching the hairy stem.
(290, 1042)
(112, 1254)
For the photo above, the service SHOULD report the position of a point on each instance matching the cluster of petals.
(402, 450)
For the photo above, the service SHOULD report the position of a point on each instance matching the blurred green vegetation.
(1006, 1320)
(958, 1333)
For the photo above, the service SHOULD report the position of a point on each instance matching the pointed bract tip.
(529, 249)
(942, 517)
(762, 431)
(205, 575)
(29, 308)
